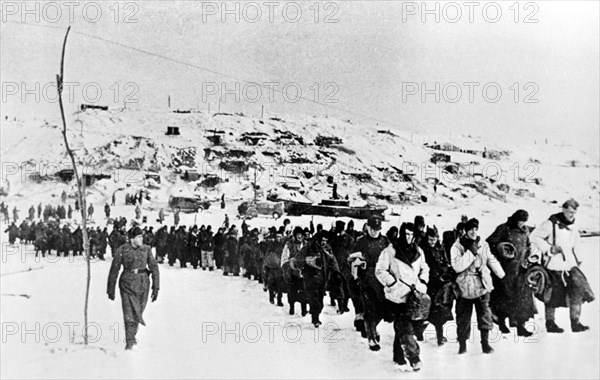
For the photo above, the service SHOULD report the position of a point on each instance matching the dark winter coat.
(13, 233)
(102, 241)
(134, 287)
(40, 239)
(511, 296)
(327, 267)
(273, 254)
(77, 240)
(375, 303)
(290, 252)
(231, 260)
(161, 241)
(206, 241)
(439, 287)
(249, 252)
(342, 246)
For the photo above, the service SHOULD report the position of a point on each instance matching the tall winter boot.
(279, 302)
(130, 331)
(575, 313)
(292, 309)
(341, 308)
(462, 346)
(485, 346)
(439, 332)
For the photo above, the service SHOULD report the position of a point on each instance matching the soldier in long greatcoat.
(134, 284)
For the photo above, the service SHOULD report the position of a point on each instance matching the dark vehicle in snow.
(252, 209)
(334, 207)
(187, 204)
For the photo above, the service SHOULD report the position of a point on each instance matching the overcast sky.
(371, 57)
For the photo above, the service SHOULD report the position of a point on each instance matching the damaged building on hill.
(254, 138)
(468, 147)
(67, 175)
(287, 138)
(326, 141)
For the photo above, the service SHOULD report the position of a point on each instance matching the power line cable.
(198, 67)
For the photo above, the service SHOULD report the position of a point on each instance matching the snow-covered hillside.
(370, 164)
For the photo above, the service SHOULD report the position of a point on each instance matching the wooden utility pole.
(80, 188)
(254, 185)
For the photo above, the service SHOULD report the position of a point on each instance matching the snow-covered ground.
(204, 325)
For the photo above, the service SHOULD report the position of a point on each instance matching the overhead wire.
(202, 68)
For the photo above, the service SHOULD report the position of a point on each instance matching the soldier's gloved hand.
(111, 296)
(154, 295)
(555, 249)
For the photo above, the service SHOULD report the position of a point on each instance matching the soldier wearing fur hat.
(134, 283)
(511, 296)
(556, 241)
(472, 262)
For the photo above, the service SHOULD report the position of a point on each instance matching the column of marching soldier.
(381, 274)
